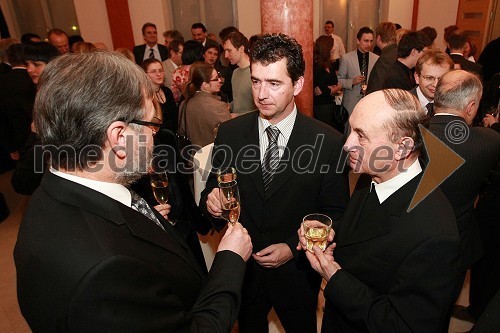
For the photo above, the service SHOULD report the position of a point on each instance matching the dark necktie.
(430, 109)
(151, 53)
(271, 157)
(364, 64)
(139, 204)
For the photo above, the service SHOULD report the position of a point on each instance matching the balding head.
(458, 93)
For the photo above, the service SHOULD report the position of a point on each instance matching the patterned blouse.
(179, 78)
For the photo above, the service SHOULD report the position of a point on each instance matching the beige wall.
(437, 14)
(154, 11)
(93, 20)
(248, 17)
(400, 11)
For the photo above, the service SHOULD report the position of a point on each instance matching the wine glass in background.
(230, 201)
(159, 184)
(226, 175)
(316, 230)
(363, 84)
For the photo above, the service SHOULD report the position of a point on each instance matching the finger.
(331, 235)
(321, 256)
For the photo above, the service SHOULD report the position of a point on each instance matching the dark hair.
(199, 25)
(145, 64)
(448, 30)
(238, 40)
(26, 38)
(457, 39)
(73, 115)
(321, 52)
(74, 39)
(364, 30)
(198, 73)
(15, 54)
(330, 22)
(272, 48)
(386, 31)
(212, 45)
(193, 51)
(226, 31)
(412, 40)
(40, 51)
(145, 25)
(174, 45)
(398, 26)
(431, 33)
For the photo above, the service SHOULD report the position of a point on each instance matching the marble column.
(294, 18)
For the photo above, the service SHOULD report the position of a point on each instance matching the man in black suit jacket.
(456, 43)
(86, 260)
(305, 181)
(392, 269)
(151, 49)
(457, 100)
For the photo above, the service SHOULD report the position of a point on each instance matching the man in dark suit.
(386, 41)
(286, 164)
(456, 42)
(429, 70)
(392, 269)
(151, 49)
(92, 256)
(457, 100)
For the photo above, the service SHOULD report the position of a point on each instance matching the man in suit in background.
(457, 41)
(91, 256)
(410, 48)
(174, 60)
(151, 49)
(386, 41)
(338, 44)
(59, 39)
(355, 68)
(456, 103)
(392, 268)
(286, 165)
(429, 70)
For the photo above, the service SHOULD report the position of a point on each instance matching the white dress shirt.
(389, 187)
(285, 126)
(156, 52)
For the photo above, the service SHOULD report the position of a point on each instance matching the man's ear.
(471, 109)
(405, 147)
(417, 78)
(116, 138)
(297, 87)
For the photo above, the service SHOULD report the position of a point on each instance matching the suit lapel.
(114, 212)
(252, 145)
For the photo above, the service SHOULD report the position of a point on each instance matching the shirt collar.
(423, 100)
(173, 63)
(389, 187)
(285, 126)
(115, 191)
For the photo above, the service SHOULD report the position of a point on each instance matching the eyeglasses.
(217, 78)
(429, 78)
(154, 126)
(155, 71)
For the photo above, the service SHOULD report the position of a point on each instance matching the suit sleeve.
(342, 75)
(122, 294)
(418, 300)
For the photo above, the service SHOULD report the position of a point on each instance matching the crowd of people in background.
(208, 90)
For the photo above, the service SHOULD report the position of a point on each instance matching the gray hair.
(409, 114)
(456, 94)
(79, 96)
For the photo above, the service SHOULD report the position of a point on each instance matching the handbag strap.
(183, 116)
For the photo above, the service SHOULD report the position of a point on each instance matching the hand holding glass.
(229, 196)
(316, 230)
(159, 184)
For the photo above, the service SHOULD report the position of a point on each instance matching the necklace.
(160, 97)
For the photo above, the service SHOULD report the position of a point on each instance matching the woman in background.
(204, 110)
(325, 83)
(163, 95)
(193, 52)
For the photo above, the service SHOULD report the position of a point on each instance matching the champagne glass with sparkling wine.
(159, 184)
(230, 201)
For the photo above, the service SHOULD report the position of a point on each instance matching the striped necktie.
(151, 53)
(271, 157)
(430, 109)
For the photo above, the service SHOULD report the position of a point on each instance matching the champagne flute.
(226, 175)
(363, 84)
(159, 184)
(230, 201)
(316, 230)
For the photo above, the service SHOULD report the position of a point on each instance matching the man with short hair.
(355, 68)
(338, 44)
(199, 33)
(429, 70)
(59, 39)
(456, 102)
(285, 163)
(151, 49)
(92, 256)
(391, 268)
(410, 48)
(175, 50)
(235, 47)
(171, 35)
(386, 41)
(457, 41)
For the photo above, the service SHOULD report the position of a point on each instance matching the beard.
(142, 157)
